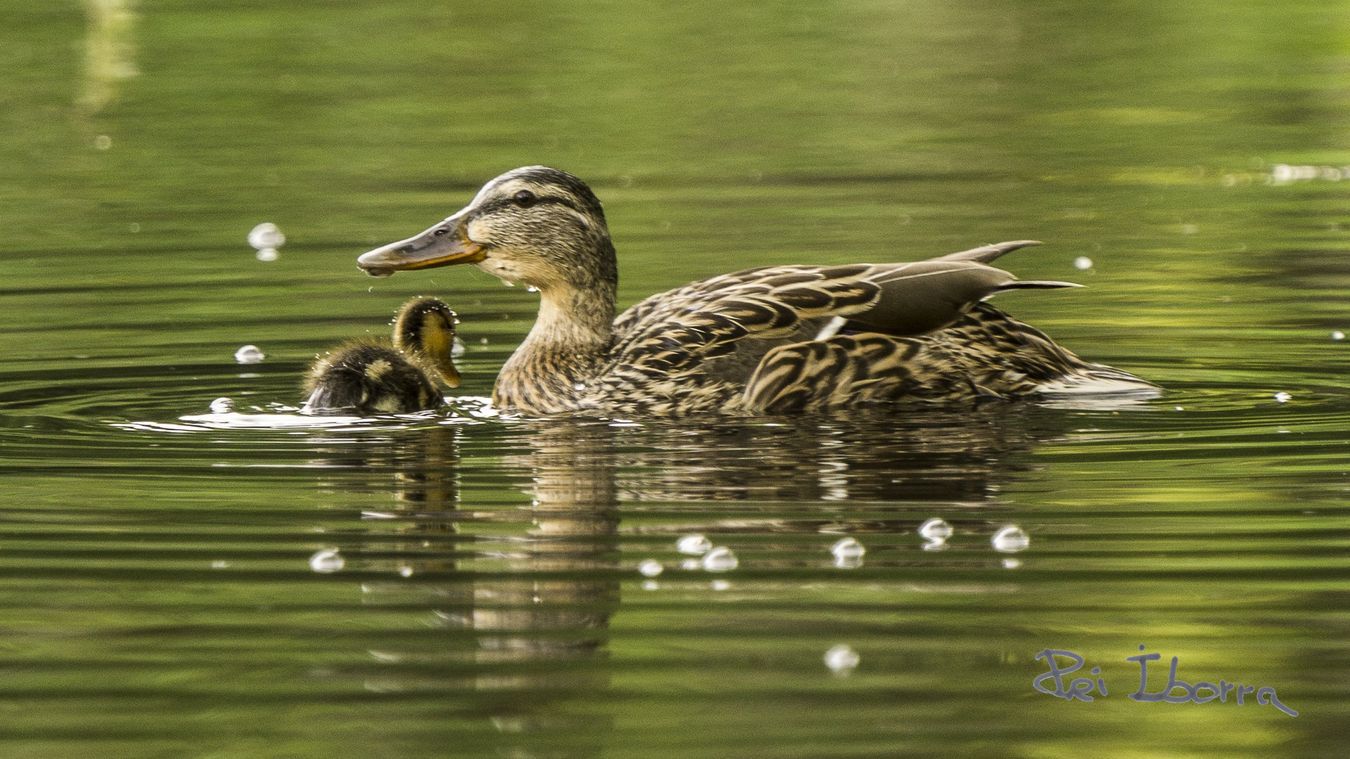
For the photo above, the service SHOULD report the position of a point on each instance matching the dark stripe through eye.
(515, 200)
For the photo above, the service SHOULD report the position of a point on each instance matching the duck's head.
(427, 326)
(534, 226)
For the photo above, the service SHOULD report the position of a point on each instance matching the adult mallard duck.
(380, 377)
(768, 340)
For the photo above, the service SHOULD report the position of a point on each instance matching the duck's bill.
(445, 244)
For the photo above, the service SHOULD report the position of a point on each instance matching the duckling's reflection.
(531, 607)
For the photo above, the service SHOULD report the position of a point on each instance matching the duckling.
(379, 377)
(775, 339)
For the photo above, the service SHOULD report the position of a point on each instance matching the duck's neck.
(565, 349)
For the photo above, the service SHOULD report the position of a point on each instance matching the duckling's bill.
(444, 244)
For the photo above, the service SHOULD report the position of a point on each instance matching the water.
(183, 577)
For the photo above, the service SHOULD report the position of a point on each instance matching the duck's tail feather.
(1037, 284)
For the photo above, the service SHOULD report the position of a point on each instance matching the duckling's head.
(427, 326)
(534, 226)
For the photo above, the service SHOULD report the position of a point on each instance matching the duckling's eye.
(439, 232)
(524, 198)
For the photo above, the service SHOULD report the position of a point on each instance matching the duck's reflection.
(523, 582)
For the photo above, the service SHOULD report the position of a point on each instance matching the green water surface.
(169, 576)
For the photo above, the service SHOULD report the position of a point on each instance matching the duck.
(768, 340)
(380, 376)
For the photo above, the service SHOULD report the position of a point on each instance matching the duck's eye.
(524, 198)
(439, 232)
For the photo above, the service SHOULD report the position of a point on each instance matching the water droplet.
(1180, 408)
(719, 585)
(220, 564)
(720, 559)
(327, 561)
(693, 545)
(266, 235)
(1010, 539)
(935, 529)
(222, 406)
(650, 568)
(1337, 335)
(482, 341)
(689, 565)
(405, 571)
(935, 544)
(1011, 563)
(1082, 263)
(249, 354)
(847, 548)
(579, 386)
(842, 659)
(1283, 397)
(650, 585)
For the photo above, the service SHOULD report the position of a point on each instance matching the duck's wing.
(720, 329)
(657, 307)
(987, 253)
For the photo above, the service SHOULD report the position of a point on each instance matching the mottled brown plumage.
(381, 377)
(769, 340)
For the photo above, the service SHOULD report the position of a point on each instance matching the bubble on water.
(222, 406)
(935, 544)
(842, 659)
(249, 354)
(220, 564)
(102, 142)
(650, 568)
(1283, 397)
(405, 571)
(848, 562)
(266, 235)
(690, 565)
(482, 341)
(1012, 563)
(1178, 408)
(1082, 263)
(650, 585)
(720, 559)
(693, 545)
(935, 529)
(847, 548)
(268, 255)
(1337, 335)
(327, 561)
(1010, 539)
(719, 585)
